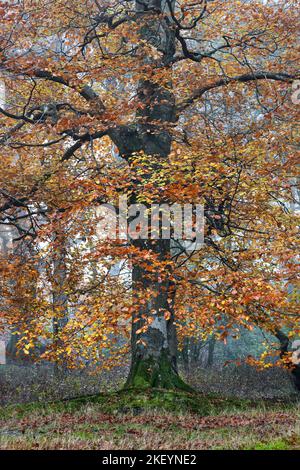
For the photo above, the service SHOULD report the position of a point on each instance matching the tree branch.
(245, 78)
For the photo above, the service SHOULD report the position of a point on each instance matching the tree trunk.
(185, 354)
(154, 351)
(60, 302)
(211, 349)
(284, 346)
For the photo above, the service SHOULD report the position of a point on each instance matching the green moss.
(279, 444)
(85, 435)
(136, 400)
(156, 372)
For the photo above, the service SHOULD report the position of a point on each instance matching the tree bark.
(154, 351)
(60, 302)
(284, 346)
(211, 349)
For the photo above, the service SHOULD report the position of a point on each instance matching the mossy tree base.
(155, 372)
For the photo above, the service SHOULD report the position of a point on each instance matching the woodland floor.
(152, 420)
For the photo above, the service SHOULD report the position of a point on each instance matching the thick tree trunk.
(154, 350)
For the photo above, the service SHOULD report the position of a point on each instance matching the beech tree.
(165, 102)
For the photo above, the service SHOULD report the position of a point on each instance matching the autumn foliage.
(187, 103)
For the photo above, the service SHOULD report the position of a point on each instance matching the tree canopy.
(165, 102)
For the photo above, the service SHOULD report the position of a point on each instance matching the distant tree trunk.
(284, 346)
(15, 355)
(11, 350)
(185, 354)
(60, 302)
(211, 349)
(191, 353)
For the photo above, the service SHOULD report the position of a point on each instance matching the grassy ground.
(152, 420)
